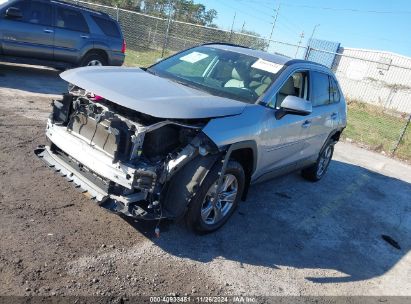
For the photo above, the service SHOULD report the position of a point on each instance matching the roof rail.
(226, 43)
(81, 7)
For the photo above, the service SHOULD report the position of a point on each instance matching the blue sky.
(370, 24)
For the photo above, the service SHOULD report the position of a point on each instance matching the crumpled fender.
(185, 183)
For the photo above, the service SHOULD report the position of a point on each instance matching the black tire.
(92, 56)
(193, 216)
(313, 173)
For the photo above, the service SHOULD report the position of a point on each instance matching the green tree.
(183, 10)
(251, 39)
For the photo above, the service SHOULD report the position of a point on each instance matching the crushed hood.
(141, 91)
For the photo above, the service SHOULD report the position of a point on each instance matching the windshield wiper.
(151, 71)
(189, 84)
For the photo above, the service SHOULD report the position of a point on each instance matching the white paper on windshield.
(194, 57)
(267, 66)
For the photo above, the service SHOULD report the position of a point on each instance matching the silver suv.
(184, 138)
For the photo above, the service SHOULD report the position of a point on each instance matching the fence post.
(117, 12)
(401, 136)
(307, 53)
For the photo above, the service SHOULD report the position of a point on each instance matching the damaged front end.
(121, 158)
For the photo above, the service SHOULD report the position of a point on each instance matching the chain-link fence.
(376, 84)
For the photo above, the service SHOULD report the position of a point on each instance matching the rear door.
(110, 32)
(72, 33)
(321, 122)
(32, 35)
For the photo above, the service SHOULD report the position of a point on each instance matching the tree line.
(186, 11)
(182, 10)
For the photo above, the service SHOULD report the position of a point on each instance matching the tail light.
(124, 46)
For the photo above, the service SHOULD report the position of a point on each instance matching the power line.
(267, 5)
(346, 9)
(291, 25)
(244, 12)
(287, 25)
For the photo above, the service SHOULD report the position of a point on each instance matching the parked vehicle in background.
(58, 34)
(225, 117)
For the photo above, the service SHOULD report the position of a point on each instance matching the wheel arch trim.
(247, 144)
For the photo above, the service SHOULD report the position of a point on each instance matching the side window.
(34, 12)
(38, 13)
(108, 27)
(21, 5)
(71, 20)
(321, 89)
(296, 85)
(334, 91)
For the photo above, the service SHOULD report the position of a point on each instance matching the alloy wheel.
(215, 210)
(94, 63)
(324, 160)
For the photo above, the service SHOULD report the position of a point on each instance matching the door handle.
(334, 116)
(85, 36)
(48, 31)
(306, 124)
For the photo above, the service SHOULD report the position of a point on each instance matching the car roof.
(82, 8)
(276, 58)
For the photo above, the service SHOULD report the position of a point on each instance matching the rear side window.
(108, 27)
(320, 89)
(71, 20)
(334, 91)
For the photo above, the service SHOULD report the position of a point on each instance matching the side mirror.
(294, 105)
(14, 12)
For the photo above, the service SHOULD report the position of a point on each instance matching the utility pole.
(242, 28)
(170, 9)
(232, 26)
(312, 34)
(299, 43)
(277, 11)
(307, 53)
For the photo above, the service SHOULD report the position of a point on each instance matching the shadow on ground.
(33, 79)
(334, 224)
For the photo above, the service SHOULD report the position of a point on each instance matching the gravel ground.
(291, 237)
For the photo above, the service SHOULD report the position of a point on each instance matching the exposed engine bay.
(120, 157)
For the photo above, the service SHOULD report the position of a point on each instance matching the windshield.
(219, 72)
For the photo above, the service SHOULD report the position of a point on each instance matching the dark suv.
(58, 34)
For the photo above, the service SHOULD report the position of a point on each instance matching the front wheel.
(318, 170)
(210, 208)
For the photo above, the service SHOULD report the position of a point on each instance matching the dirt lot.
(290, 238)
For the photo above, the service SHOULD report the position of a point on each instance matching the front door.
(31, 35)
(282, 138)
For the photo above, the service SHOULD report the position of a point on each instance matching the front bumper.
(124, 204)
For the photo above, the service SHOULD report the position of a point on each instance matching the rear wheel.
(93, 59)
(318, 170)
(210, 208)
